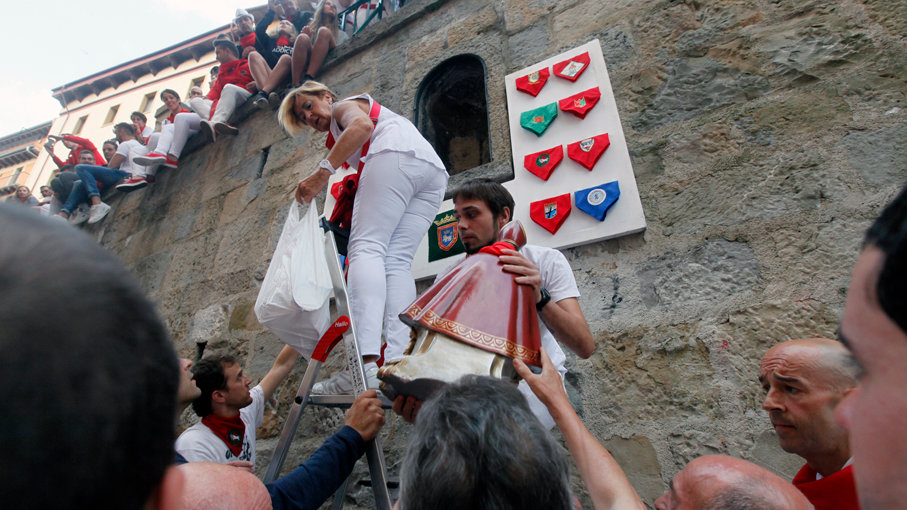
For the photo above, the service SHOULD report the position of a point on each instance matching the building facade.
(19, 152)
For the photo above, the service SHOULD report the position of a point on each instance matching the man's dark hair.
(124, 126)
(495, 196)
(476, 444)
(889, 234)
(171, 92)
(86, 150)
(209, 377)
(139, 115)
(89, 372)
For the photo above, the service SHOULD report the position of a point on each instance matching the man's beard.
(474, 250)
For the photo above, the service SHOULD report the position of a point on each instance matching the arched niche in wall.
(452, 112)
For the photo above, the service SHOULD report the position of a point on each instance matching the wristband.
(546, 297)
(327, 166)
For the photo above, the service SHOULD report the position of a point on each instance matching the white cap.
(242, 13)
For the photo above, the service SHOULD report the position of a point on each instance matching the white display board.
(624, 217)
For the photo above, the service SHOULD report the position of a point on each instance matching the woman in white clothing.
(401, 184)
(165, 146)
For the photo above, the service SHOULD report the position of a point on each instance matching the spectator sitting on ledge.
(271, 64)
(165, 147)
(92, 176)
(231, 89)
(109, 148)
(314, 42)
(75, 145)
(142, 129)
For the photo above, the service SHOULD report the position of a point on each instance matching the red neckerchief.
(551, 213)
(543, 163)
(580, 104)
(247, 40)
(572, 68)
(533, 83)
(283, 41)
(173, 115)
(230, 430)
(497, 248)
(586, 152)
(835, 491)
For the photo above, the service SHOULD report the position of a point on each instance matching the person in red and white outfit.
(804, 380)
(165, 147)
(401, 185)
(233, 86)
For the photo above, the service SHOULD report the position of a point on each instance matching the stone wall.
(765, 135)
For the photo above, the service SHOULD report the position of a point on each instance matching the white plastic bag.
(311, 278)
(276, 307)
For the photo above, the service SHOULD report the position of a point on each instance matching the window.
(111, 115)
(79, 125)
(147, 101)
(16, 175)
(452, 112)
(196, 82)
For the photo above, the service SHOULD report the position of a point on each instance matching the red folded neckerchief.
(533, 83)
(572, 68)
(836, 491)
(497, 248)
(247, 40)
(580, 104)
(230, 430)
(342, 215)
(586, 152)
(283, 41)
(543, 163)
(551, 213)
(172, 116)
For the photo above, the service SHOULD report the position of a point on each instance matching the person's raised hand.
(547, 386)
(407, 408)
(366, 415)
(311, 186)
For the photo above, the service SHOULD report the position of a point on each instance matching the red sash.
(543, 163)
(586, 152)
(173, 115)
(346, 191)
(533, 83)
(572, 68)
(580, 104)
(551, 213)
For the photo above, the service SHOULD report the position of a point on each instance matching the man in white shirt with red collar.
(229, 410)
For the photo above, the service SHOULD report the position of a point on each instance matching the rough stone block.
(472, 26)
(208, 323)
(712, 272)
(695, 86)
(880, 155)
(151, 270)
(638, 459)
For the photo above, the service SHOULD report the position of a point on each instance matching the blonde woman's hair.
(274, 32)
(285, 115)
(318, 20)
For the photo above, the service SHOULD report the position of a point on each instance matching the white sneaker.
(98, 212)
(341, 383)
(78, 217)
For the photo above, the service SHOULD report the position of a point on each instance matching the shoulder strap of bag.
(373, 115)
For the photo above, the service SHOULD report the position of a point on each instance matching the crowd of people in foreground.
(100, 425)
(255, 66)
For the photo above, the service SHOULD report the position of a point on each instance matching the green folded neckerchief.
(539, 119)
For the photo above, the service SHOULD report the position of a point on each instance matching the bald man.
(717, 482)
(804, 380)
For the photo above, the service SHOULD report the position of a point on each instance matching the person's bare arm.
(607, 483)
(357, 130)
(279, 371)
(116, 161)
(564, 318)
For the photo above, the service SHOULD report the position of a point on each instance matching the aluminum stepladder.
(337, 331)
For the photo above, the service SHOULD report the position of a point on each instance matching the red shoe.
(150, 159)
(132, 184)
(171, 162)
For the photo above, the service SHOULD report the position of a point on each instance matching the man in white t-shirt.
(229, 411)
(93, 178)
(482, 207)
